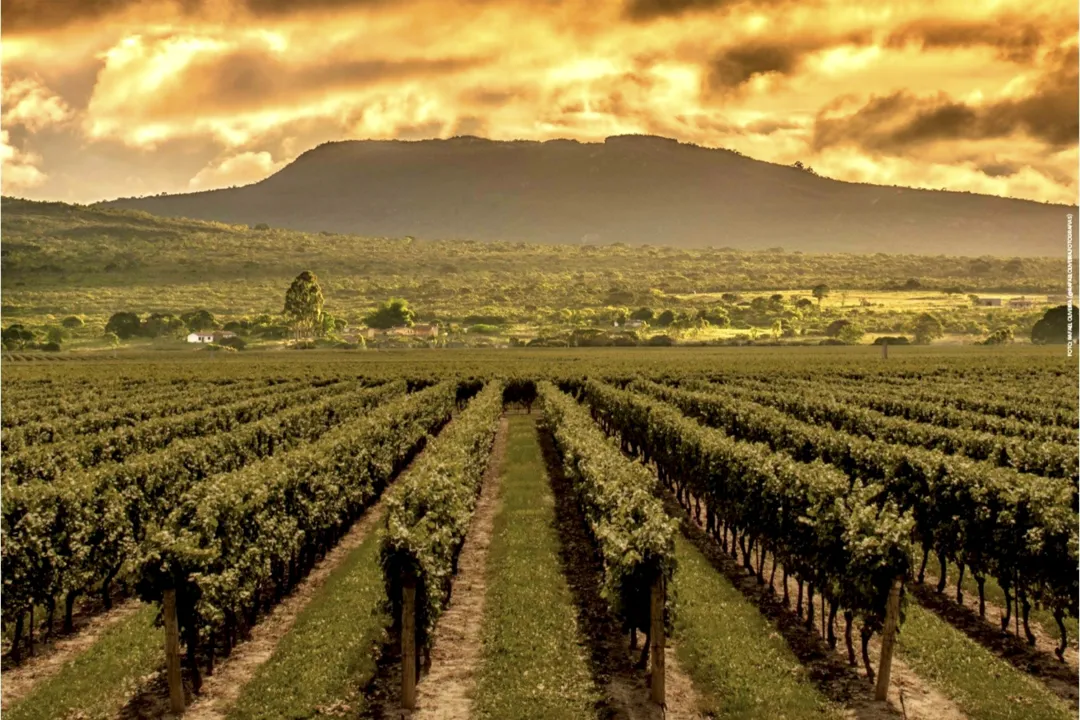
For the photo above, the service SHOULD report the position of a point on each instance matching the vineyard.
(573, 534)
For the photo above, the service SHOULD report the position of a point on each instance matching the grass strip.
(740, 665)
(98, 681)
(995, 595)
(331, 649)
(533, 662)
(981, 684)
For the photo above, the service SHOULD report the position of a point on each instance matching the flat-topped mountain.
(633, 189)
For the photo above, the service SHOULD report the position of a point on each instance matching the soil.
(220, 690)
(445, 693)
(909, 696)
(625, 689)
(90, 621)
(1038, 661)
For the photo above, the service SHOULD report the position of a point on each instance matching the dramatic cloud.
(19, 171)
(894, 123)
(1016, 39)
(104, 98)
(239, 169)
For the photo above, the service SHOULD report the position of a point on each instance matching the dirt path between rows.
(625, 689)
(909, 697)
(231, 674)
(1039, 661)
(18, 681)
(445, 693)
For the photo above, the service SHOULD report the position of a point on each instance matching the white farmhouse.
(209, 336)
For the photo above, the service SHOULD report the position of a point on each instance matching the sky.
(114, 98)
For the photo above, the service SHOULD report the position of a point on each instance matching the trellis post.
(408, 642)
(888, 639)
(172, 653)
(656, 638)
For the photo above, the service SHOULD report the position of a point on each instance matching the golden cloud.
(956, 95)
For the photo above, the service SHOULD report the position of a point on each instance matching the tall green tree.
(304, 304)
(124, 324)
(928, 328)
(1053, 328)
(392, 313)
(820, 292)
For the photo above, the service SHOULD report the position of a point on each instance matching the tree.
(666, 318)
(836, 326)
(716, 316)
(304, 303)
(820, 292)
(644, 314)
(730, 298)
(72, 322)
(159, 324)
(1001, 336)
(1053, 327)
(54, 334)
(927, 328)
(395, 312)
(850, 333)
(804, 304)
(124, 325)
(199, 320)
(15, 337)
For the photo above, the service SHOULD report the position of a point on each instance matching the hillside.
(63, 259)
(630, 189)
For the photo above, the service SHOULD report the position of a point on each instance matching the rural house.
(209, 336)
(1021, 303)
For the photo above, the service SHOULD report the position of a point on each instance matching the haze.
(111, 98)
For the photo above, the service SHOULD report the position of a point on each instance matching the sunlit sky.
(108, 98)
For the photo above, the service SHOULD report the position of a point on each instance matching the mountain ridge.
(635, 189)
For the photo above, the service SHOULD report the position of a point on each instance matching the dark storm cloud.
(27, 16)
(651, 9)
(1015, 39)
(895, 122)
(256, 77)
(737, 66)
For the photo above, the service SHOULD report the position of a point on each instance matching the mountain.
(634, 189)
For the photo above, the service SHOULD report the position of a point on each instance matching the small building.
(1021, 303)
(988, 302)
(1057, 299)
(633, 324)
(425, 331)
(210, 336)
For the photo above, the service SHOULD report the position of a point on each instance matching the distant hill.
(632, 189)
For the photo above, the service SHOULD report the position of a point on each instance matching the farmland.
(816, 532)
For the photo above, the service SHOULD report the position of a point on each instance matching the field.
(815, 532)
(68, 269)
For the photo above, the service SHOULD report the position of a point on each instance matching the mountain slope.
(631, 189)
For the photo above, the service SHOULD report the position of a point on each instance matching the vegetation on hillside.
(69, 270)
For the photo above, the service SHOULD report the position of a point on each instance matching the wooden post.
(172, 653)
(885, 350)
(408, 643)
(888, 639)
(657, 640)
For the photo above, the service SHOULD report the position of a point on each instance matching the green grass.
(101, 678)
(982, 685)
(739, 663)
(329, 653)
(533, 663)
(994, 594)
